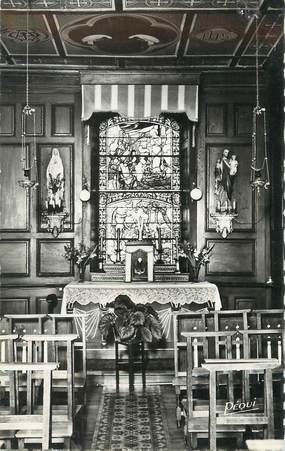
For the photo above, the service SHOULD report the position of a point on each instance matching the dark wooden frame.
(13, 125)
(223, 106)
(67, 241)
(71, 119)
(28, 253)
(236, 117)
(28, 219)
(26, 301)
(252, 273)
(68, 226)
(208, 188)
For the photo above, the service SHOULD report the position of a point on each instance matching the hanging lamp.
(28, 113)
(259, 175)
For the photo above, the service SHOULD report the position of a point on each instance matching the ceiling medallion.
(216, 35)
(21, 35)
(121, 34)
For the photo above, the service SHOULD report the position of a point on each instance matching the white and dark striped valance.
(140, 101)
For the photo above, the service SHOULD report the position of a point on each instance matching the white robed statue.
(55, 183)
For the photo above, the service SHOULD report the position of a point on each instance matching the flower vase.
(81, 274)
(194, 274)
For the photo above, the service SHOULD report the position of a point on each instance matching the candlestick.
(159, 237)
(177, 250)
(118, 239)
(101, 244)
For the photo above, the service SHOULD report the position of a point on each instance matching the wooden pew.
(252, 417)
(224, 320)
(201, 346)
(45, 347)
(26, 324)
(15, 422)
(73, 324)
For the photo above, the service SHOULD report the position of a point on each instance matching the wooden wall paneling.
(233, 257)
(50, 258)
(62, 120)
(243, 119)
(15, 257)
(242, 191)
(42, 305)
(216, 119)
(14, 199)
(39, 121)
(244, 303)
(14, 305)
(7, 120)
(45, 152)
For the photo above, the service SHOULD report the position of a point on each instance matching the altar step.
(116, 273)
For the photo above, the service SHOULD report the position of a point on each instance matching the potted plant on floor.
(128, 322)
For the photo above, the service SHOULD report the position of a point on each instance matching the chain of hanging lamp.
(27, 112)
(259, 175)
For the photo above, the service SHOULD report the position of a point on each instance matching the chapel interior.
(141, 251)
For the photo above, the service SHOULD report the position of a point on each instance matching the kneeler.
(136, 358)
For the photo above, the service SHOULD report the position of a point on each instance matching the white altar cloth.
(178, 293)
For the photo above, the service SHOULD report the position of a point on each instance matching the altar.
(103, 293)
(90, 297)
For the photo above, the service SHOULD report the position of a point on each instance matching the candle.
(159, 237)
(176, 246)
(218, 208)
(101, 243)
(234, 205)
(118, 239)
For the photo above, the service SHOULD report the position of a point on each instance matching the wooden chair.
(266, 319)
(224, 320)
(201, 346)
(26, 323)
(47, 348)
(15, 422)
(73, 324)
(135, 359)
(227, 366)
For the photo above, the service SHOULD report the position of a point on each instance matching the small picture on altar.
(139, 266)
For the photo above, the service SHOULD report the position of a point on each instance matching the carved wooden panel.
(50, 258)
(245, 303)
(13, 198)
(15, 258)
(7, 120)
(14, 306)
(56, 182)
(62, 119)
(39, 121)
(216, 120)
(232, 257)
(242, 191)
(243, 120)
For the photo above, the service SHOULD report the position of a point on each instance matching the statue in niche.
(225, 173)
(55, 183)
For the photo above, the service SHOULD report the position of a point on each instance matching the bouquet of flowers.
(80, 255)
(195, 258)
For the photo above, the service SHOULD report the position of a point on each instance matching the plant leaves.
(107, 320)
(137, 319)
(146, 334)
(126, 332)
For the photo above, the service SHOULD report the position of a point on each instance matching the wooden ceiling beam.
(55, 34)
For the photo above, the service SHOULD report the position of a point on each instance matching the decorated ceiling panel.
(138, 33)
(216, 34)
(186, 4)
(14, 34)
(135, 35)
(50, 5)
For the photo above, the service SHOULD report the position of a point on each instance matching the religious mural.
(139, 184)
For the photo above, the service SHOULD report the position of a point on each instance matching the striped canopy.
(140, 101)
